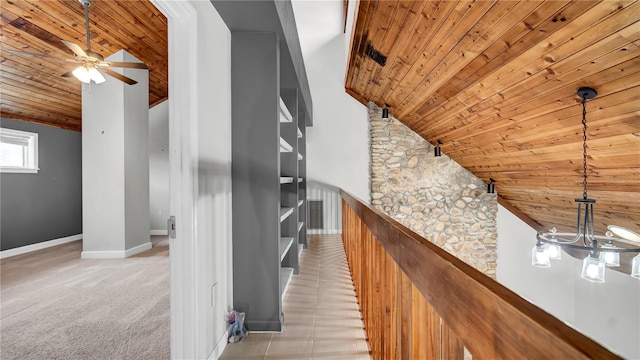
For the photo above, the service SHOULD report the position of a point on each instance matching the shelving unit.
(289, 260)
(286, 179)
(285, 245)
(302, 185)
(284, 146)
(285, 212)
(285, 277)
(268, 192)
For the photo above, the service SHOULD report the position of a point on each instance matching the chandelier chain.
(584, 147)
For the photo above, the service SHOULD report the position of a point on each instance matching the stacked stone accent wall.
(433, 196)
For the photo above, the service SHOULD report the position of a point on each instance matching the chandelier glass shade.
(604, 250)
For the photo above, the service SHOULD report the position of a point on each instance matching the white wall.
(115, 171)
(213, 206)
(607, 312)
(159, 167)
(338, 142)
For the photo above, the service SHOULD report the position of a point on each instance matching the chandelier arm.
(592, 223)
(585, 227)
(584, 146)
(589, 248)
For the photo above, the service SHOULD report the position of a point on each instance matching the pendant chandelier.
(604, 250)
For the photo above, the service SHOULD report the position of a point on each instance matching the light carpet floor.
(55, 305)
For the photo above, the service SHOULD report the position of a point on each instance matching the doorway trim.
(182, 34)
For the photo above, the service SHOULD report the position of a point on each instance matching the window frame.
(32, 151)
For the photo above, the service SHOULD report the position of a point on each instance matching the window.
(18, 151)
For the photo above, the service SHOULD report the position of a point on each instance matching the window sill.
(18, 171)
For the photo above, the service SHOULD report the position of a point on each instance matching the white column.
(115, 164)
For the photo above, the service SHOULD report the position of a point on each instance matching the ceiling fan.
(91, 64)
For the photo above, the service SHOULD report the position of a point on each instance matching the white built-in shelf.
(285, 212)
(300, 225)
(300, 247)
(286, 179)
(285, 245)
(285, 115)
(300, 179)
(300, 203)
(285, 278)
(299, 156)
(284, 146)
(299, 133)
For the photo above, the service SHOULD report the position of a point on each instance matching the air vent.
(375, 55)
(316, 218)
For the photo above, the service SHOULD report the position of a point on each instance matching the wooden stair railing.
(420, 302)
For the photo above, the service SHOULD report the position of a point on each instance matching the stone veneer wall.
(433, 196)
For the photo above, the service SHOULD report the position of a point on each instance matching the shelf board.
(300, 156)
(285, 245)
(300, 179)
(286, 179)
(285, 278)
(284, 146)
(300, 225)
(300, 248)
(285, 212)
(285, 115)
(300, 203)
(299, 133)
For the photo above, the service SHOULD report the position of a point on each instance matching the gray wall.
(47, 205)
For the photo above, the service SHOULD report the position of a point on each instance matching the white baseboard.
(158, 232)
(220, 346)
(323, 232)
(115, 254)
(39, 246)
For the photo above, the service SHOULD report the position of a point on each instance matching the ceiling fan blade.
(130, 65)
(28, 53)
(118, 76)
(75, 48)
(67, 74)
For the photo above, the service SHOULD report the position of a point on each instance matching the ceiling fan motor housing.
(93, 56)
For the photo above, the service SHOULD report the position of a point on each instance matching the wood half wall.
(420, 302)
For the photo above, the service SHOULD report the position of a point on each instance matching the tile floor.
(322, 320)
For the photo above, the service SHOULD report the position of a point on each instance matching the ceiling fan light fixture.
(82, 73)
(96, 76)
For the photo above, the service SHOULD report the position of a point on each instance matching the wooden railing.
(420, 302)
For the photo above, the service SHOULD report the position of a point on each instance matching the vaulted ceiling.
(496, 82)
(32, 87)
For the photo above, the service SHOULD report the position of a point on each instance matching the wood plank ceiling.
(32, 88)
(496, 82)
